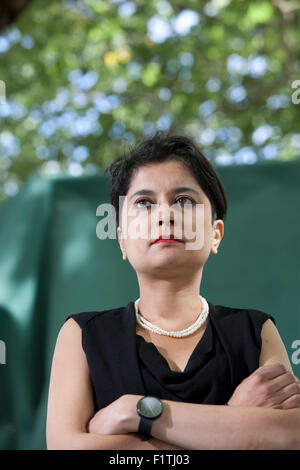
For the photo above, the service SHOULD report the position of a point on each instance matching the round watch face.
(150, 407)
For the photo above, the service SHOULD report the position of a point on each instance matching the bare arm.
(213, 427)
(71, 406)
(273, 384)
(129, 441)
(249, 422)
(243, 426)
(272, 346)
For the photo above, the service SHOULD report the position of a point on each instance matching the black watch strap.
(144, 430)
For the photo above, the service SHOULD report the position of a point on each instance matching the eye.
(187, 198)
(141, 200)
(191, 201)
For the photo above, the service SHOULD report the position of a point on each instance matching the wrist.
(131, 417)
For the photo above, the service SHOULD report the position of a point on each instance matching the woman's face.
(146, 216)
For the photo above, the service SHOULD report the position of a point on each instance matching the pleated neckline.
(203, 346)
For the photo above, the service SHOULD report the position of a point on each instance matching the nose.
(163, 224)
(164, 221)
(165, 215)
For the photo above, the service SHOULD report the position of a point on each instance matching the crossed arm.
(72, 423)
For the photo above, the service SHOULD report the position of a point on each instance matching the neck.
(169, 305)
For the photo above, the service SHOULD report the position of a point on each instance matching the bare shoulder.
(70, 331)
(68, 342)
(272, 346)
(68, 354)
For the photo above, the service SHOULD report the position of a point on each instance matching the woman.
(206, 366)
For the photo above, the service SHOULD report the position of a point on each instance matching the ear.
(218, 232)
(121, 242)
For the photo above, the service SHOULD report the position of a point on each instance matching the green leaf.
(151, 74)
(259, 12)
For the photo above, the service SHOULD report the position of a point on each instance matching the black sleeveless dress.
(122, 362)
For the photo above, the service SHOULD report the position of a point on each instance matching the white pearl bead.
(178, 334)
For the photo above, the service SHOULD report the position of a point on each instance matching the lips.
(170, 239)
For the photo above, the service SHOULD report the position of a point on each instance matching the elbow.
(58, 441)
(51, 441)
(294, 434)
(57, 444)
(279, 429)
(294, 443)
(293, 440)
(290, 429)
(67, 443)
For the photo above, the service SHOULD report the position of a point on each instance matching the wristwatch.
(149, 408)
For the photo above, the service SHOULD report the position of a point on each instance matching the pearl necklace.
(178, 334)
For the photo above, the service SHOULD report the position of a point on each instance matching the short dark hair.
(158, 148)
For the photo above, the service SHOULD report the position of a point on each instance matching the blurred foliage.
(86, 78)
(9, 11)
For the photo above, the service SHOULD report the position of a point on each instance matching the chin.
(166, 264)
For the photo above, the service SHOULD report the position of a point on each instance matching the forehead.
(163, 175)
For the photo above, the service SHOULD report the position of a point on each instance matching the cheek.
(137, 237)
(195, 223)
(137, 227)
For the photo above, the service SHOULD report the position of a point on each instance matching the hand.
(271, 386)
(118, 417)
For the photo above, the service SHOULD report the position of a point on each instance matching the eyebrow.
(149, 192)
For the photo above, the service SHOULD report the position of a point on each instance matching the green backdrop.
(53, 264)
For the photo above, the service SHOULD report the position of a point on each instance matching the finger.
(281, 381)
(291, 402)
(272, 370)
(287, 392)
